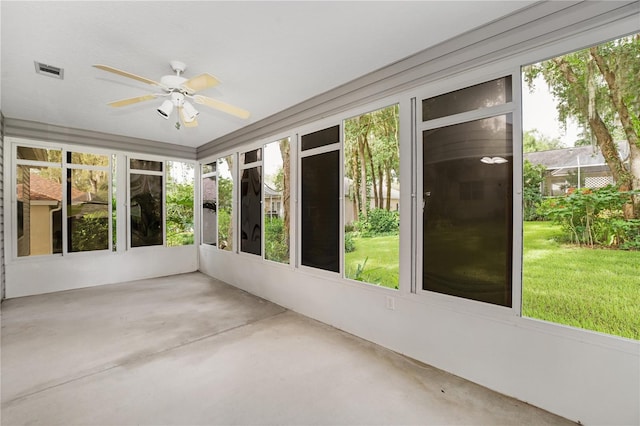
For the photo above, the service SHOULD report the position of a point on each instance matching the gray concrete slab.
(191, 350)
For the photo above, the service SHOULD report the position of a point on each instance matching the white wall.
(46, 274)
(581, 375)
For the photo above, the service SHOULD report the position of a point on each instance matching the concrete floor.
(189, 349)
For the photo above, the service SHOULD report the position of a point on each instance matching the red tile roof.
(43, 189)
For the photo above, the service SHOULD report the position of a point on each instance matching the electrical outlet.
(391, 303)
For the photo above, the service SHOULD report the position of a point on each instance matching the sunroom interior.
(457, 107)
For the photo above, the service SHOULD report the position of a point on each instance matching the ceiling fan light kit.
(178, 88)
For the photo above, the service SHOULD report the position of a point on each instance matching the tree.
(372, 156)
(534, 141)
(599, 87)
(533, 176)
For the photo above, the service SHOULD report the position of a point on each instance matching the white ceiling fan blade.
(229, 109)
(200, 82)
(129, 101)
(185, 123)
(128, 75)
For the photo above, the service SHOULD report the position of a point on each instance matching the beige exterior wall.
(40, 230)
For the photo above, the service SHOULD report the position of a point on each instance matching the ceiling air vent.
(49, 70)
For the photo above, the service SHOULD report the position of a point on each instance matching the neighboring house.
(40, 214)
(350, 210)
(272, 202)
(579, 167)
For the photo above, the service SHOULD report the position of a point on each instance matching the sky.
(539, 112)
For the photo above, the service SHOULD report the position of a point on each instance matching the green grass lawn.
(595, 289)
(382, 260)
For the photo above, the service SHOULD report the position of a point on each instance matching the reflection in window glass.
(276, 200)
(372, 197)
(179, 215)
(251, 210)
(320, 210)
(483, 95)
(87, 159)
(225, 203)
(39, 215)
(87, 210)
(39, 154)
(467, 221)
(154, 166)
(146, 210)
(251, 156)
(209, 207)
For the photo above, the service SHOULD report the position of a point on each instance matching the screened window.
(179, 193)
(467, 175)
(276, 196)
(52, 185)
(251, 202)
(581, 230)
(483, 95)
(88, 202)
(146, 203)
(320, 201)
(209, 204)
(372, 196)
(226, 219)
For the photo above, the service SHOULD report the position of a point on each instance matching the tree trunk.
(616, 95)
(373, 170)
(621, 175)
(388, 177)
(286, 186)
(363, 177)
(380, 178)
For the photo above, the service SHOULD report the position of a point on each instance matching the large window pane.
(276, 201)
(146, 210)
(372, 197)
(87, 210)
(483, 95)
(225, 203)
(467, 221)
(180, 182)
(154, 166)
(321, 211)
(39, 215)
(209, 210)
(251, 210)
(581, 230)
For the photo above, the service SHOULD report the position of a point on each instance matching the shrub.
(594, 217)
(379, 222)
(276, 246)
(349, 243)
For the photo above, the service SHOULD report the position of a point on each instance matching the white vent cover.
(49, 70)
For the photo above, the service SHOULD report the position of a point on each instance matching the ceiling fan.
(178, 89)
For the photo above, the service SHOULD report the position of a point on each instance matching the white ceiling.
(267, 55)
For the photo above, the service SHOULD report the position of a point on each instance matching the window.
(277, 190)
(88, 202)
(180, 187)
(146, 203)
(209, 204)
(581, 231)
(251, 202)
(372, 195)
(467, 174)
(40, 191)
(226, 219)
(320, 199)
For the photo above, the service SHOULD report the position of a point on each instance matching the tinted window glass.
(467, 219)
(146, 210)
(484, 95)
(251, 210)
(209, 207)
(321, 211)
(321, 138)
(154, 166)
(87, 210)
(251, 156)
